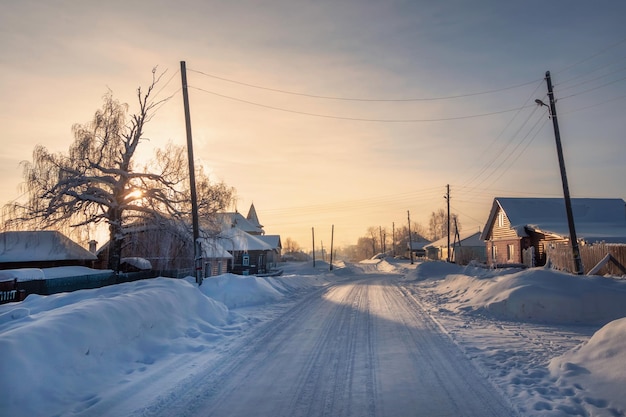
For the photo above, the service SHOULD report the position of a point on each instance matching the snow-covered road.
(369, 339)
(357, 348)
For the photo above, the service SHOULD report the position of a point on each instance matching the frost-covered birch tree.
(98, 181)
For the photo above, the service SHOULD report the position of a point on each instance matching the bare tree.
(291, 246)
(418, 233)
(438, 224)
(97, 181)
(374, 237)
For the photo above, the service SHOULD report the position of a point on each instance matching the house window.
(510, 252)
(501, 219)
(494, 253)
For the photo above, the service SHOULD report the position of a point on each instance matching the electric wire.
(277, 90)
(592, 89)
(592, 79)
(357, 119)
(595, 105)
(600, 52)
(166, 83)
(561, 84)
(497, 138)
(521, 152)
(505, 159)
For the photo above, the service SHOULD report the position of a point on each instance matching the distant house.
(467, 247)
(230, 242)
(526, 226)
(41, 249)
(417, 247)
(253, 251)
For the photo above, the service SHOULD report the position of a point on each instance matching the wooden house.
(519, 230)
(250, 253)
(230, 242)
(169, 249)
(253, 251)
(468, 246)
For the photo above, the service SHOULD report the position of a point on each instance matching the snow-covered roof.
(272, 240)
(418, 244)
(465, 238)
(38, 246)
(595, 219)
(253, 217)
(213, 250)
(237, 240)
(228, 220)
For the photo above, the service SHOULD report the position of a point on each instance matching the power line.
(494, 158)
(596, 104)
(583, 74)
(593, 89)
(522, 151)
(600, 52)
(503, 160)
(277, 90)
(357, 119)
(592, 79)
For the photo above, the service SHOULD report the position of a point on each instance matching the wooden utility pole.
(410, 238)
(393, 238)
(332, 239)
(197, 250)
(313, 234)
(568, 202)
(447, 197)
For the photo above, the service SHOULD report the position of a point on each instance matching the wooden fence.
(561, 258)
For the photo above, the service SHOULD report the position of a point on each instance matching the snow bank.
(239, 290)
(534, 295)
(56, 346)
(597, 369)
(65, 351)
(535, 363)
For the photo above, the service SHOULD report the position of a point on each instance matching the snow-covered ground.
(554, 344)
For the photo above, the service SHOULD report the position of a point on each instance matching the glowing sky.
(316, 161)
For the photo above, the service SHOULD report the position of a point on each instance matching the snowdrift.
(534, 295)
(597, 366)
(60, 344)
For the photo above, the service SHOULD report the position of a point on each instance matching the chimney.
(92, 246)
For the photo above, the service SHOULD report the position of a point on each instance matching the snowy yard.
(535, 343)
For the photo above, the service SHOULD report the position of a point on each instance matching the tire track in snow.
(355, 348)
